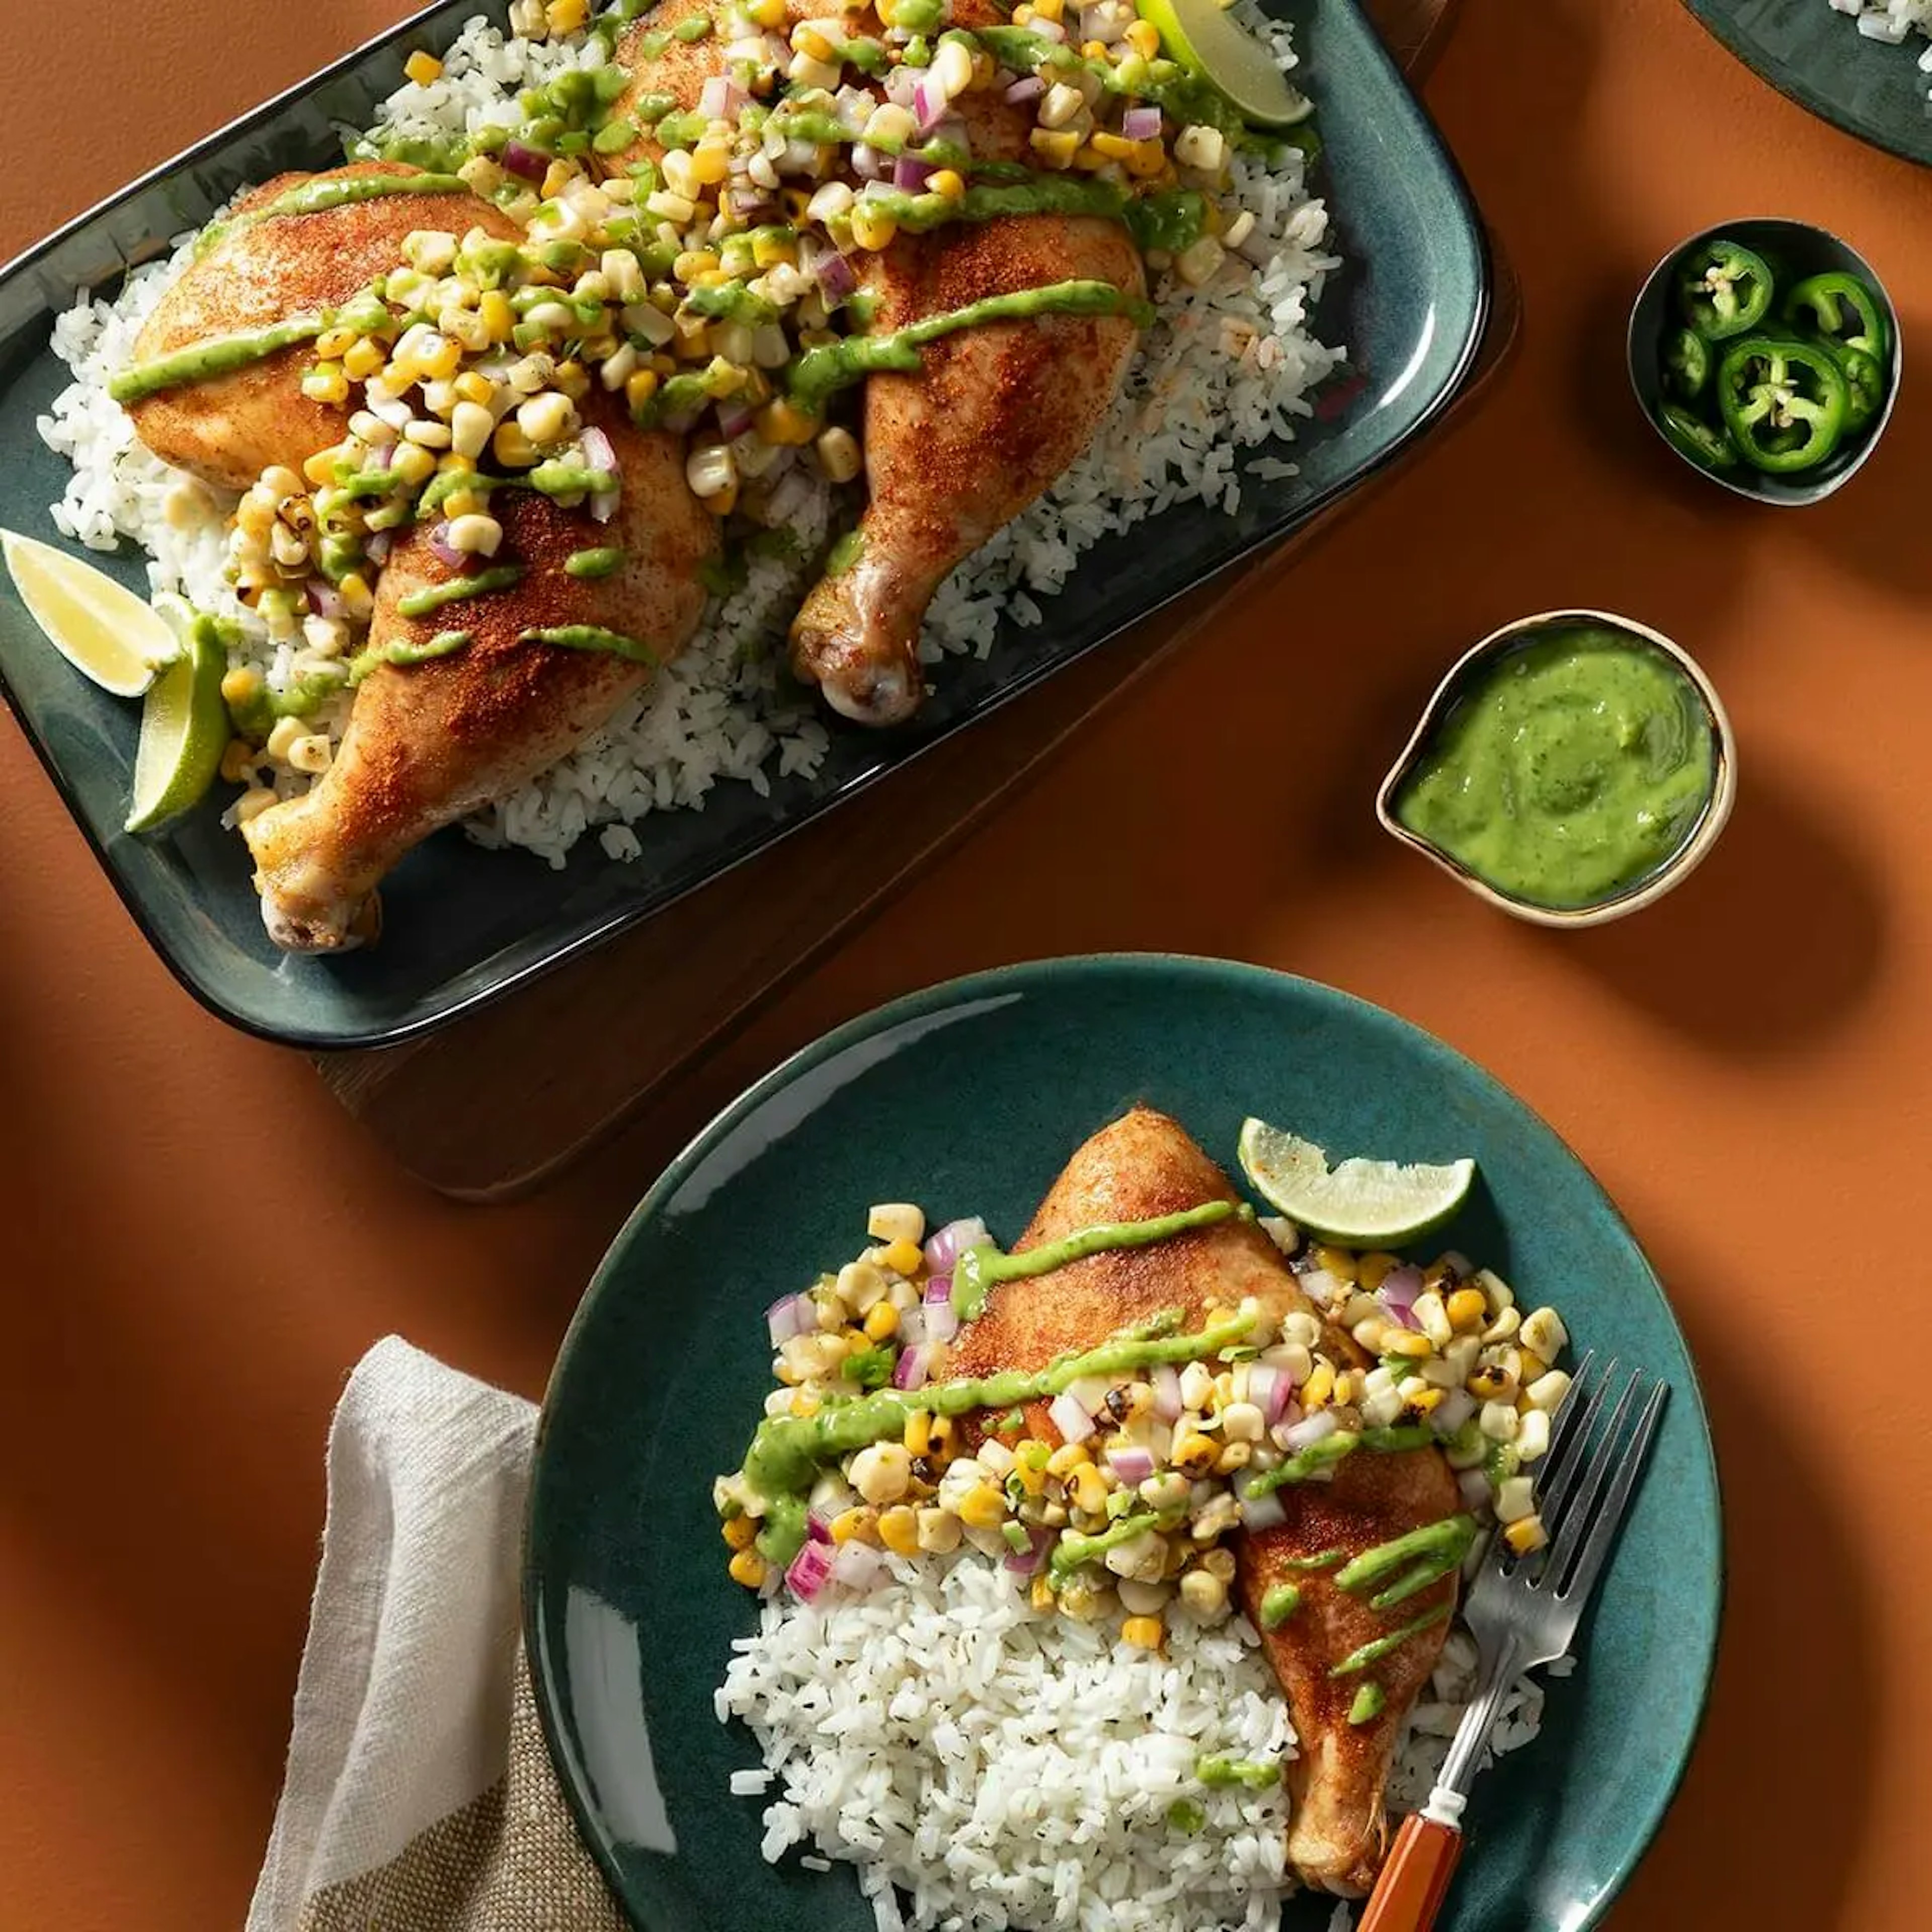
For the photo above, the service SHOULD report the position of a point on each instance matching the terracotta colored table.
(198, 1242)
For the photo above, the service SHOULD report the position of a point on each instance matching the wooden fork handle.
(1416, 1878)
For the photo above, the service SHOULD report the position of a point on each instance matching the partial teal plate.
(968, 1099)
(462, 925)
(1817, 56)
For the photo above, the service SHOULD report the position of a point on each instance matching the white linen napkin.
(419, 1796)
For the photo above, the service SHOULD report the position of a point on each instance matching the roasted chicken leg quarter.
(429, 741)
(1144, 1165)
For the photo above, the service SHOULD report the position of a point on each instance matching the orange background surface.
(198, 1243)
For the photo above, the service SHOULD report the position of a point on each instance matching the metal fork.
(1524, 1610)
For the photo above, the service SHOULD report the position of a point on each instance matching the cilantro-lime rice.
(1227, 365)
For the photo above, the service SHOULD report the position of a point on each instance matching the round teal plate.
(1817, 56)
(968, 1099)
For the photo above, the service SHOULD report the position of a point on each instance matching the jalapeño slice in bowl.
(1786, 403)
(1840, 310)
(1724, 288)
(1692, 437)
(1686, 364)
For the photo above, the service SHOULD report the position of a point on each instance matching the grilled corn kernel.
(361, 359)
(1532, 1435)
(1056, 147)
(1515, 1498)
(768, 14)
(474, 536)
(311, 753)
(1530, 1365)
(1039, 1592)
(239, 686)
(1405, 1342)
(326, 383)
(942, 1435)
(1420, 1398)
(566, 16)
(1067, 1458)
(252, 804)
(238, 755)
(982, 1506)
(1319, 1388)
(748, 1568)
(873, 228)
(1143, 1632)
(882, 1472)
(896, 1221)
(882, 1321)
(946, 181)
(1505, 1327)
(803, 1405)
(1243, 1422)
(740, 1532)
(1234, 1455)
(857, 1525)
(1496, 1381)
(1204, 1593)
(1194, 1454)
(1467, 1310)
(839, 455)
(422, 67)
(1089, 1490)
(1432, 1316)
(918, 1436)
(1543, 1331)
(1500, 1422)
(902, 1257)
(1144, 37)
(510, 446)
(899, 1530)
(938, 1532)
(1526, 1534)
(1547, 1391)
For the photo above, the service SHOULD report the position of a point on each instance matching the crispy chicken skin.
(229, 430)
(1145, 1165)
(426, 743)
(957, 452)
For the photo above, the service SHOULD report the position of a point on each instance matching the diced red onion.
(527, 162)
(944, 1248)
(817, 1529)
(733, 419)
(1263, 1512)
(858, 1566)
(941, 1324)
(324, 599)
(600, 453)
(383, 455)
(835, 278)
(929, 103)
(1397, 1293)
(1132, 1465)
(915, 1365)
(783, 1320)
(377, 543)
(910, 173)
(809, 1569)
(750, 206)
(1025, 1562)
(1310, 1429)
(1454, 1409)
(912, 1327)
(1475, 1488)
(720, 98)
(1142, 124)
(1166, 1383)
(900, 82)
(1031, 88)
(1290, 1416)
(446, 552)
(1073, 1421)
(1268, 1390)
(938, 1289)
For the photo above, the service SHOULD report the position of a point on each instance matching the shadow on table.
(1773, 1815)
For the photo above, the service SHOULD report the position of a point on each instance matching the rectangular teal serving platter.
(464, 925)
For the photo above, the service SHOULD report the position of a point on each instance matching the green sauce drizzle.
(1071, 1551)
(1370, 1702)
(845, 553)
(312, 197)
(1433, 1551)
(400, 652)
(1326, 1559)
(1373, 1653)
(479, 584)
(1278, 1604)
(219, 356)
(594, 638)
(599, 562)
(1243, 1770)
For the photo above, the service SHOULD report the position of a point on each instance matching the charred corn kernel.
(1144, 37)
(942, 1434)
(938, 1532)
(918, 1436)
(510, 446)
(355, 592)
(1532, 1435)
(1422, 1399)
(1218, 1563)
(1204, 1593)
(740, 1532)
(857, 1525)
(946, 181)
(1429, 1311)
(362, 359)
(1543, 1331)
(1143, 1632)
(1466, 1309)
(1089, 1490)
(788, 1373)
(807, 40)
(882, 1322)
(1066, 1458)
(1032, 1474)
(1526, 1534)
(1405, 1342)
(320, 468)
(566, 16)
(882, 1472)
(1022, 15)
(1055, 146)
(1234, 1455)
(1494, 1381)
(873, 228)
(253, 804)
(1039, 1593)
(899, 1530)
(640, 386)
(1547, 1391)
(238, 756)
(748, 1568)
(1094, 50)
(473, 386)
(1338, 1261)
(1049, 10)
(465, 503)
(1374, 1268)
(423, 67)
(413, 463)
(902, 1257)
(1530, 1365)
(1505, 1327)
(1515, 1498)
(839, 455)
(982, 1506)
(896, 1221)
(498, 318)
(311, 753)
(1194, 1455)
(1319, 1389)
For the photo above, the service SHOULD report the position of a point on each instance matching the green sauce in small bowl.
(1569, 769)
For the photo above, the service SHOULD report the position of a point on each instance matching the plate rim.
(1718, 20)
(446, 1009)
(1022, 975)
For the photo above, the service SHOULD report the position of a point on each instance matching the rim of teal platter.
(1021, 978)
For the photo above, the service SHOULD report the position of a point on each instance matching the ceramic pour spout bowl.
(1645, 891)
(1793, 249)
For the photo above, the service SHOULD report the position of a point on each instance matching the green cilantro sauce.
(1242, 1770)
(1331, 1450)
(1370, 1702)
(598, 562)
(400, 652)
(219, 355)
(1371, 1653)
(478, 583)
(594, 637)
(1073, 1549)
(312, 197)
(1570, 769)
(1425, 1554)
(1278, 1604)
(845, 553)
(255, 716)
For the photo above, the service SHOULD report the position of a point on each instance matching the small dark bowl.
(1793, 247)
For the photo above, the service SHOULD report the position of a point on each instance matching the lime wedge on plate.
(1212, 44)
(103, 629)
(1360, 1203)
(184, 731)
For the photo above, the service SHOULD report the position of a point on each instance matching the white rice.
(1892, 21)
(1225, 367)
(984, 1766)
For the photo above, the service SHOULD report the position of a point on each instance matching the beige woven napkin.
(419, 1796)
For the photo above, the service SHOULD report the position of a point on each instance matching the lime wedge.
(1360, 1203)
(104, 630)
(1213, 45)
(184, 731)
